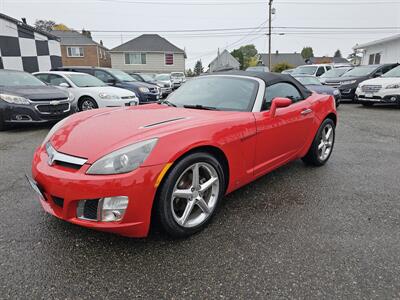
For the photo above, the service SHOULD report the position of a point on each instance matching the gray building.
(293, 59)
(148, 53)
(224, 61)
(24, 48)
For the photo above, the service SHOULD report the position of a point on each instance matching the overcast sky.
(119, 15)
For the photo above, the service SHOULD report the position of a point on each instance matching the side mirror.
(111, 81)
(279, 103)
(64, 85)
(377, 75)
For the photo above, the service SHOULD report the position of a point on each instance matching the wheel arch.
(81, 97)
(333, 117)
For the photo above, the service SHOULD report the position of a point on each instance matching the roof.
(224, 61)
(294, 59)
(22, 24)
(268, 77)
(376, 42)
(74, 38)
(148, 43)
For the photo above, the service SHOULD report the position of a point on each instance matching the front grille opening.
(58, 201)
(87, 209)
(67, 165)
(53, 109)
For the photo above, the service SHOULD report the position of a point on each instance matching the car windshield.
(177, 75)
(309, 70)
(336, 72)
(308, 80)
(218, 92)
(163, 77)
(360, 71)
(147, 77)
(84, 80)
(18, 79)
(121, 75)
(393, 72)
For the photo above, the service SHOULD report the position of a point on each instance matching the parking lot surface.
(299, 232)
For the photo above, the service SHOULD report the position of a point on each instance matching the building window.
(75, 51)
(169, 59)
(136, 58)
(374, 58)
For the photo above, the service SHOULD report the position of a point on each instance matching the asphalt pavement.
(300, 232)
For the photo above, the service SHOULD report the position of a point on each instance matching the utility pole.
(269, 33)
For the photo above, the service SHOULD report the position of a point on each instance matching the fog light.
(393, 99)
(113, 208)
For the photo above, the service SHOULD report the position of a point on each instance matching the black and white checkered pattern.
(22, 48)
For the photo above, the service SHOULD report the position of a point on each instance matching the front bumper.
(378, 98)
(347, 92)
(35, 112)
(64, 187)
(118, 102)
(166, 91)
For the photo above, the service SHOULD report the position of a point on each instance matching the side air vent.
(163, 122)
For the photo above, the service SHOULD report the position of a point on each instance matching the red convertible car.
(114, 169)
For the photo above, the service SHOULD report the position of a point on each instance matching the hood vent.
(163, 122)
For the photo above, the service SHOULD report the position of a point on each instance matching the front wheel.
(190, 195)
(322, 146)
(87, 103)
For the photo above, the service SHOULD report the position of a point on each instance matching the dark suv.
(349, 81)
(146, 92)
(25, 99)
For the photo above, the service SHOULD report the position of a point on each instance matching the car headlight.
(108, 96)
(14, 99)
(348, 82)
(54, 129)
(393, 86)
(144, 89)
(336, 92)
(123, 160)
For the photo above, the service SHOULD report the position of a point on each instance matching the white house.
(382, 51)
(224, 61)
(148, 53)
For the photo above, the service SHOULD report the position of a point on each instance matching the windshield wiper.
(198, 106)
(169, 103)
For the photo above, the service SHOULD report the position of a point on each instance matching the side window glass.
(328, 68)
(103, 76)
(320, 71)
(56, 80)
(43, 77)
(284, 90)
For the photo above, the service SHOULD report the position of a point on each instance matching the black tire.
(163, 205)
(313, 156)
(3, 125)
(367, 104)
(90, 101)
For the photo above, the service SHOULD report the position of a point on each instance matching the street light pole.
(269, 33)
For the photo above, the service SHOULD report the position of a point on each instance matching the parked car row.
(367, 84)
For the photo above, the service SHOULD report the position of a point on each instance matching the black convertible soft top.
(270, 78)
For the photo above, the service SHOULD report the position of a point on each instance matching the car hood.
(109, 89)
(382, 81)
(320, 89)
(96, 133)
(340, 79)
(36, 92)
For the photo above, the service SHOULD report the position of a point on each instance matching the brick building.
(79, 49)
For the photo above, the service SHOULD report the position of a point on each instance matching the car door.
(281, 137)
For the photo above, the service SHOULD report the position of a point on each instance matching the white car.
(313, 70)
(89, 92)
(383, 89)
(177, 79)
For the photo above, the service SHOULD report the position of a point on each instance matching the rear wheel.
(322, 146)
(190, 195)
(87, 103)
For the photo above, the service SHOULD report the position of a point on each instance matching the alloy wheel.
(88, 105)
(195, 195)
(326, 142)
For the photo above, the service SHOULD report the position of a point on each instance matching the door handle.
(306, 111)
